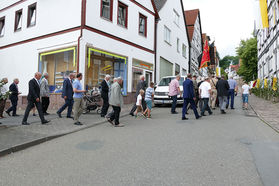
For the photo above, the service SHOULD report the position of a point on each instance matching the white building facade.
(268, 44)
(172, 52)
(94, 37)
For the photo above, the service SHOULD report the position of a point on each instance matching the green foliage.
(247, 52)
(223, 73)
(267, 93)
(226, 61)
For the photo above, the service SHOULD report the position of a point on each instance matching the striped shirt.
(148, 93)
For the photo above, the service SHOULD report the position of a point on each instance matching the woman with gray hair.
(44, 92)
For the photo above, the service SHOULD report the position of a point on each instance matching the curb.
(263, 120)
(38, 141)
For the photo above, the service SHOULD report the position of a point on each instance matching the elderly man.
(3, 92)
(104, 94)
(232, 91)
(222, 88)
(33, 97)
(213, 82)
(45, 93)
(205, 92)
(174, 91)
(116, 101)
(141, 85)
(67, 95)
(13, 97)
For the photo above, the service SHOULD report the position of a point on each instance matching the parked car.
(161, 95)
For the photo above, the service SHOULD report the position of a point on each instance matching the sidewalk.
(266, 111)
(15, 137)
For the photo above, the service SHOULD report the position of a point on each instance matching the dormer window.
(32, 9)
(18, 20)
(2, 26)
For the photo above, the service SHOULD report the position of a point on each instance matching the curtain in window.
(2, 28)
(106, 9)
(142, 26)
(121, 15)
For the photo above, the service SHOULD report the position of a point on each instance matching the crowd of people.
(206, 94)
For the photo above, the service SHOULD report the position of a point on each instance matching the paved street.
(218, 150)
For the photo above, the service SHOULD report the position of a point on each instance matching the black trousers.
(13, 107)
(115, 115)
(68, 103)
(105, 106)
(29, 108)
(134, 108)
(45, 104)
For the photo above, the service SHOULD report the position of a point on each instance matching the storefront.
(58, 64)
(141, 68)
(100, 63)
(166, 68)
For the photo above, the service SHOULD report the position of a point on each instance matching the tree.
(226, 61)
(247, 52)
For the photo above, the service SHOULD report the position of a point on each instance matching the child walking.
(139, 103)
(148, 99)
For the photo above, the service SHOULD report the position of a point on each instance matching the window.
(177, 45)
(136, 76)
(31, 20)
(142, 25)
(106, 9)
(2, 26)
(177, 69)
(18, 20)
(176, 18)
(167, 34)
(122, 14)
(184, 50)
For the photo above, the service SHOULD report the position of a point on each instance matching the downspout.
(189, 61)
(83, 14)
(155, 49)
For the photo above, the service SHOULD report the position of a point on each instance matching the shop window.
(167, 34)
(58, 65)
(106, 9)
(2, 26)
(122, 14)
(18, 20)
(142, 25)
(136, 77)
(31, 20)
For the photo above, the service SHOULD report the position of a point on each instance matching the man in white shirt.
(205, 92)
(3, 91)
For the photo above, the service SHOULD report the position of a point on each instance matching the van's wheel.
(99, 111)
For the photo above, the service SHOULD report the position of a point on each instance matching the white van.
(161, 95)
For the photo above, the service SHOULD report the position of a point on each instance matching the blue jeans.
(174, 101)
(193, 105)
(205, 106)
(68, 103)
(231, 95)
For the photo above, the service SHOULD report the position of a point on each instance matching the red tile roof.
(191, 17)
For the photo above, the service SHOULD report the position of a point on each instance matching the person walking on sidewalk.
(149, 94)
(174, 91)
(222, 89)
(44, 88)
(67, 95)
(233, 90)
(78, 99)
(3, 95)
(213, 82)
(13, 97)
(189, 97)
(104, 94)
(245, 95)
(205, 92)
(116, 101)
(33, 97)
(141, 85)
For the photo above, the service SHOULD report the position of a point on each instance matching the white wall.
(131, 33)
(51, 16)
(169, 51)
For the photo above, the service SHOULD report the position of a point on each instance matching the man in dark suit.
(141, 85)
(104, 95)
(223, 92)
(33, 97)
(67, 94)
(189, 97)
(13, 97)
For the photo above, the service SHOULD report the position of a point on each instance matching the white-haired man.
(44, 91)
(174, 91)
(104, 94)
(140, 86)
(13, 97)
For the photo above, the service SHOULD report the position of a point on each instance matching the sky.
(225, 21)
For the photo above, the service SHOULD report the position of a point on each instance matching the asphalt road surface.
(217, 150)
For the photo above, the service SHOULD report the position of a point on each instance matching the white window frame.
(167, 35)
(2, 29)
(176, 17)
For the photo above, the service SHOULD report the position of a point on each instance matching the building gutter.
(83, 17)
(155, 48)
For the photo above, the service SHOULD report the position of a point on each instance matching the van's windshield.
(166, 81)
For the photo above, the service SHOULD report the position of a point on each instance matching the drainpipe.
(83, 14)
(155, 49)
(189, 60)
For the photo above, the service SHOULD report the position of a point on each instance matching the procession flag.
(265, 83)
(264, 15)
(205, 56)
(274, 83)
(258, 83)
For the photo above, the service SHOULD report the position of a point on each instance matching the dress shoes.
(203, 114)
(45, 122)
(78, 123)
(132, 114)
(46, 113)
(198, 117)
(223, 112)
(8, 113)
(59, 114)
(70, 117)
(233, 108)
(119, 125)
(185, 118)
(25, 123)
(15, 115)
(174, 113)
